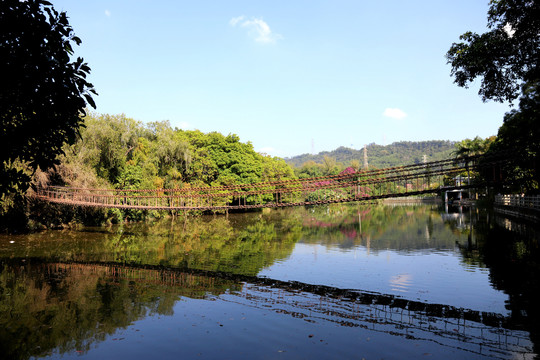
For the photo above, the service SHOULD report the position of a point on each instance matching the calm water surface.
(340, 282)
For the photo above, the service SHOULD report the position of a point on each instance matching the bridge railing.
(519, 200)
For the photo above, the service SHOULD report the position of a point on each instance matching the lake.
(337, 282)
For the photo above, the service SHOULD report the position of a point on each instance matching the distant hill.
(395, 154)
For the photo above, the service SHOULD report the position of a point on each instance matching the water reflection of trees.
(74, 304)
(65, 308)
(240, 244)
(510, 250)
(403, 228)
(59, 307)
(245, 243)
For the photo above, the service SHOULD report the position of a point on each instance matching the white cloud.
(107, 13)
(397, 114)
(236, 20)
(257, 28)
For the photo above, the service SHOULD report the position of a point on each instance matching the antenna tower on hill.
(365, 158)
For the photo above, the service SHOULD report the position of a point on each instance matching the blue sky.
(290, 76)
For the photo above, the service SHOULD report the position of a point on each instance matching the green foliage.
(107, 144)
(519, 137)
(476, 146)
(119, 152)
(310, 169)
(115, 216)
(506, 56)
(43, 91)
(115, 151)
(172, 155)
(223, 160)
(324, 194)
(465, 149)
(275, 169)
(330, 166)
(13, 214)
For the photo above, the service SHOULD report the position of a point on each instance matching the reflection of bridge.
(480, 333)
(350, 186)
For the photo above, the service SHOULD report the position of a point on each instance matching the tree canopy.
(43, 91)
(505, 57)
(473, 147)
(519, 136)
(124, 153)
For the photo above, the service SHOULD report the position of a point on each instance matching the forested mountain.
(379, 156)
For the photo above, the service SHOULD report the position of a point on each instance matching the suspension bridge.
(349, 186)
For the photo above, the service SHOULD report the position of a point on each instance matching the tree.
(468, 148)
(474, 147)
(355, 164)
(329, 165)
(505, 57)
(171, 151)
(275, 169)
(107, 142)
(519, 137)
(43, 92)
(309, 169)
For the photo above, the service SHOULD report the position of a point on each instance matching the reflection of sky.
(400, 282)
(430, 276)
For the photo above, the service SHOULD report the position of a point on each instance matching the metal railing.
(519, 200)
